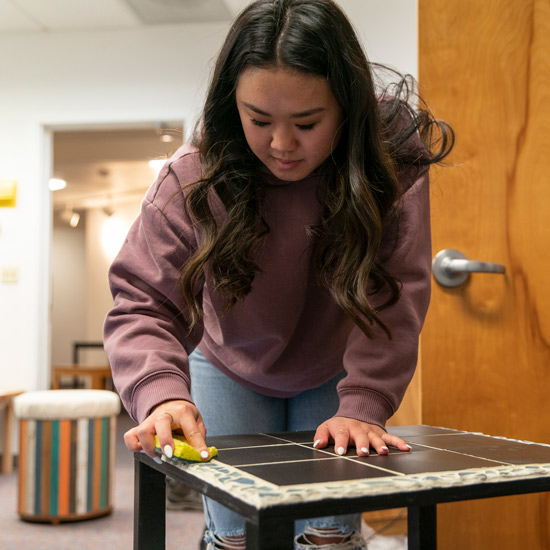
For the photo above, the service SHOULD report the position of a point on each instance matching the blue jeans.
(229, 408)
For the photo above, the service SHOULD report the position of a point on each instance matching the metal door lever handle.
(452, 268)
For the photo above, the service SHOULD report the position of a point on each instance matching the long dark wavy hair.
(382, 135)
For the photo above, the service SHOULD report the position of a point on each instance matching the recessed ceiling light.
(55, 184)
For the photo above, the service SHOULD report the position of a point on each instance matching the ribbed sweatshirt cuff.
(156, 389)
(365, 405)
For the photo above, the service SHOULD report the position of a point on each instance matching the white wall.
(115, 76)
(72, 79)
(69, 288)
(388, 29)
(104, 237)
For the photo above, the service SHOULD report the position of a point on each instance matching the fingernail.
(341, 451)
(384, 448)
(364, 450)
(408, 447)
(168, 451)
(316, 443)
(205, 454)
(157, 460)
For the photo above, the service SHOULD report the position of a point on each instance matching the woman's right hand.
(165, 418)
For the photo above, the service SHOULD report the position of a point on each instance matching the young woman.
(280, 268)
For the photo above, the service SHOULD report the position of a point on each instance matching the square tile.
(418, 462)
(269, 454)
(317, 471)
(502, 450)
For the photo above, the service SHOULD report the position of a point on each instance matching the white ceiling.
(63, 15)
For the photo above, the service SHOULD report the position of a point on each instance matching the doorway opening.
(107, 171)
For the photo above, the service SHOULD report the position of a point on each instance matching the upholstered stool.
(66, 453)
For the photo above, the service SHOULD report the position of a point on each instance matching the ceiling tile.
(154, 12)
(14, 19)
(57, 15)
(62, 15)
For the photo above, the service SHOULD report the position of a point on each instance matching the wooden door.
(485, 68)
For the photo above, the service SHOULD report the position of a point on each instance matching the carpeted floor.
(113, 532)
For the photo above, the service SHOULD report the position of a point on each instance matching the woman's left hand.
(347, 431)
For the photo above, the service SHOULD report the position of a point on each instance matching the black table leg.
(149, 508)
(270, 534)
(422, 528)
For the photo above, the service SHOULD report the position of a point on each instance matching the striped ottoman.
(66, 453)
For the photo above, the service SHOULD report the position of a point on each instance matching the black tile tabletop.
(287, 459)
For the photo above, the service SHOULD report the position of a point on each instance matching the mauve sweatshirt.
(288, 335)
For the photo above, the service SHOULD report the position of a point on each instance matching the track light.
(165, 133)
(68, 215)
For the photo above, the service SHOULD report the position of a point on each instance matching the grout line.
(253, 447)
(283, 462)
(501, 462)
(330, 456)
